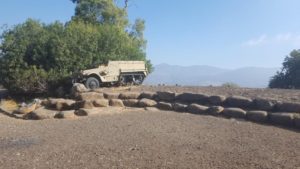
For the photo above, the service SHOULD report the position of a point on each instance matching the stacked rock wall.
(256, 110)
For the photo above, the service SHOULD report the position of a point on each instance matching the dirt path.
(146, 139)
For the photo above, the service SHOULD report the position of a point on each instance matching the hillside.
(202, 75)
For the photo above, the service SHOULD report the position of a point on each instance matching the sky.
(226, 34)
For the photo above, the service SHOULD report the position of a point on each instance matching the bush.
(37, 57)
(289, 76)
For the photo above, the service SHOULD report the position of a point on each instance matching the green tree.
(37, 57)
(289, 76)
(100, 11)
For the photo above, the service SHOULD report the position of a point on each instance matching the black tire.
(92, 83)
(138, 80)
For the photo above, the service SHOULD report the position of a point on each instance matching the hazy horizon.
(203, 75)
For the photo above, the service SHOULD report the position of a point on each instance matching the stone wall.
(257, 110)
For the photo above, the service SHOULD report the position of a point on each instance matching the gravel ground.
(135, 138)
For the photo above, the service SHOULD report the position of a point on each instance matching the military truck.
(114, 73)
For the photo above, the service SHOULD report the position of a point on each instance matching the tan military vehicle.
(114, 73)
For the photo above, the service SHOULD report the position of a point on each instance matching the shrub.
(289, 76)
(37, 57)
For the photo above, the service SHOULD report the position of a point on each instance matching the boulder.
(65, 114)
(78, 88)
(164, 106)
(217, 100)
(148, 95)
(297, 120)
(257, 116)
(166, 96)
(116, 103)
(234, 112)
(197, 109)
(131, 102)
(284, 119)
(40, 114)
(101, 103)
(87, 112)
(288, 107)
(111, 95)
(129, 95)
(65, 105)
(238, 101)
(90, 96)
(60, 104)
(180, 107)
(192, 98)
(147, 103)
(86, 104)
(152, 109)
(26, 109)
(263, 104)
(215, 110)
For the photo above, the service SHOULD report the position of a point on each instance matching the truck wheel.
(92, 83)
(138, 80)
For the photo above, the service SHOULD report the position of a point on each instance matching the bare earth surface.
(135, 138)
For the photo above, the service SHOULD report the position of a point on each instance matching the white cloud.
(256, 41)
(284, 38)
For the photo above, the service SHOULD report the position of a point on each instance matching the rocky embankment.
(85, 103)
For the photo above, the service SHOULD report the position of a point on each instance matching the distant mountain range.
(256, 77)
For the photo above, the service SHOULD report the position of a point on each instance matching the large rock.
(26, 109)
(263, 104)
(60, 104)
(148, 95)
(197, 109)
(284, 119)
(101, 103)
(288, 107)
(87, 112)
(238, 101)
(217, 100)
(129, 95)
(180, 107)
(234, 112)
(131, 102)
(86, 104)
(78, 88)
(192, 98)
(164, 106)
(166, 96)
(116, 103)
(215, 110)
(70, 114)
(111, 95)
(152, 109)
(90, 96)
(41, 114)
(147, 103)
(257, 116)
